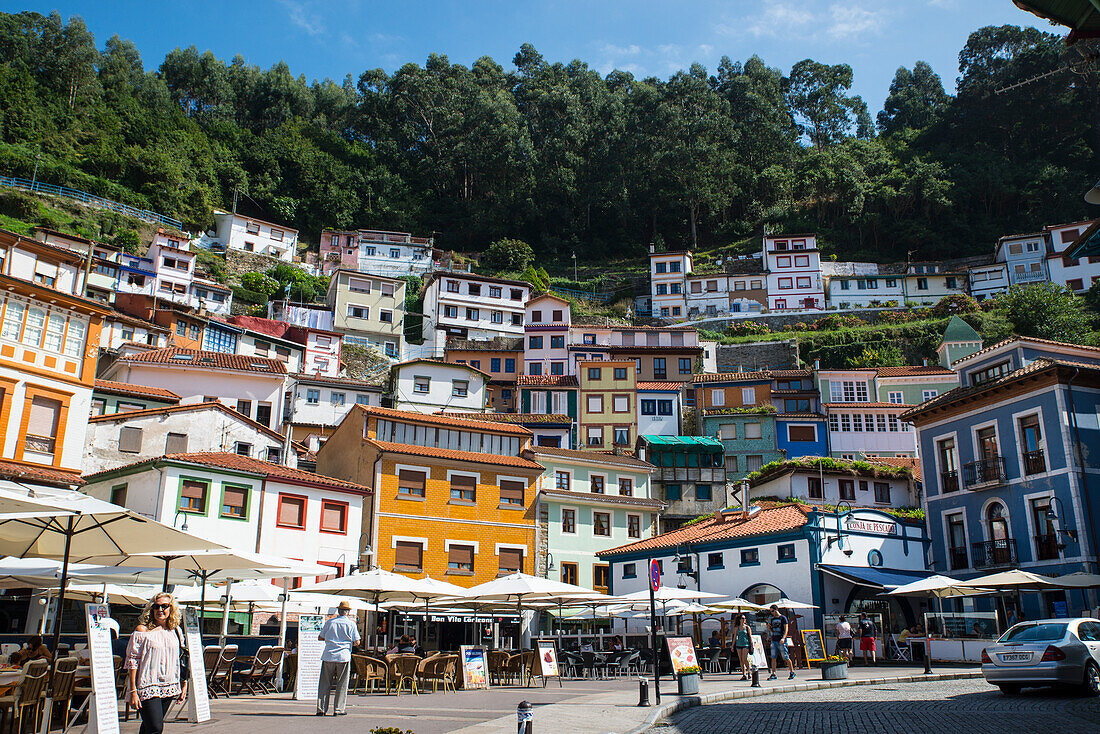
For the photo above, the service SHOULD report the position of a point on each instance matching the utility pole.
(34, 177)
(235, 199)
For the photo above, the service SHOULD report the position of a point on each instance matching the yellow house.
(453, 498)
(608, 404)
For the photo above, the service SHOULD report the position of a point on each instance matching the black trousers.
(152, 714)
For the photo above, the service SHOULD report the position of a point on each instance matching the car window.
(1031, 632)
(1089, 631)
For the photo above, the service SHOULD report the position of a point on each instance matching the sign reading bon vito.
(871, 526)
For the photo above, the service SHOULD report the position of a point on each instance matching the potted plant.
(834, 667)
(687, 681)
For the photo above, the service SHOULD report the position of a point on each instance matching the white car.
(1047, 652)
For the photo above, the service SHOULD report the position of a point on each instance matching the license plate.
(1015, 657)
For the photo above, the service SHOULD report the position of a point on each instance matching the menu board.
(681, 650)
(813, 645)
(548, 658)
(475, 668)
(103, 711)
(759, 658)
(198, 699)
(309, 656)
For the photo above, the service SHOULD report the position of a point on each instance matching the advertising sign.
(548, 658)
(814, 645)
(103, 711)
(758, 657)
(475, 667)
(309, 656)
(198, 700)
(682, 652)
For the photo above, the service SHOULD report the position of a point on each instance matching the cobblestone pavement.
(970, 706)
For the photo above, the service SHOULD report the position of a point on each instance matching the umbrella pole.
(225, 611)
(282, 614)
(61, 592)
(202, 600)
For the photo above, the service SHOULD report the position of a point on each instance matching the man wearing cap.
(338, 634)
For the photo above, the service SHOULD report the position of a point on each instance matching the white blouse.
(155, 655)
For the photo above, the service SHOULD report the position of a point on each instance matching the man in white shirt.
(338, 634)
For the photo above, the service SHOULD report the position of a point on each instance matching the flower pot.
(834, 670)
(687, 684)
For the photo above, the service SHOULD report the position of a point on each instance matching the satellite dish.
(1092, 196)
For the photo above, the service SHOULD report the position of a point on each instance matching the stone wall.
(238, 262)
(779, 354)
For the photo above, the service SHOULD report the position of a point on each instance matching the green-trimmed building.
(748, 437)
(960, 339)
(690, 477)
(554, 395)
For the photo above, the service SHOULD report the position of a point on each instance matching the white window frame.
(718, 397)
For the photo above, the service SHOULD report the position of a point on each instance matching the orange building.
(453, 498)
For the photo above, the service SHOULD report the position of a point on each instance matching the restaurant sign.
(872, 526)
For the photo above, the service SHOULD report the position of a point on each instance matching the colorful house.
(691, 476)
(608, 404)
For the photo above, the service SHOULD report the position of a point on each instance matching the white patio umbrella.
(134, 594)
(739, 604)
(786, 603)
(669, 593)
(1015, 579)
(1078, 580)
(941, 587)
(43, 573)
(73, 526)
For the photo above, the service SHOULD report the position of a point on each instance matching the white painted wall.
(440, 388)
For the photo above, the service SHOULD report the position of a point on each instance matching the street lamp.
(574, 267)
(178, 513)
(1053, 517)
(34, 178)
(839, 537)
(549, 565)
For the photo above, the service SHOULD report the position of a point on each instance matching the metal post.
(525, 718)
(643, 692)
(34, 178)
(755, 677)
(653, 644)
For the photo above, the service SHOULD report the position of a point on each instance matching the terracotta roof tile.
(768, 521)
(111, 387)
(1036, 340)
(594, 456)
(456, 455)
(610, 499)
(445, 420)
(800, 416)
(341, 381)
(780, 374)
(171, 409)
(517, 418)
(914, 371)
(43, 474)
(177, 357)
(666, 385)
(732, 377)
(548, 380)
(424, 360)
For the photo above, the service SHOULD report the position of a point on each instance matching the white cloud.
(663, 60)
(946, 4)
(774, 20)
(853, 23)
(303, 17)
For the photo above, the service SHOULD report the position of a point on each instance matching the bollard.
(525, 717)
(928, 656)
(643, 692)
(755, 677)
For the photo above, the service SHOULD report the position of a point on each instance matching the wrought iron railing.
(989, 471)
(993, 553)
(1046, 547)
(949, 481)
(1035, 462)
(958, 558)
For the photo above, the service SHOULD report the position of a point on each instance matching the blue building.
(800, 426)
(1011, 467)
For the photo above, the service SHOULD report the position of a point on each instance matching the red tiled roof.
(768, 521)
(178, 357)
(911, 463)
(914, 371)
(608, 499)
(548, 380)
(142, 391)
(444, 420)
(791, 373)
(43, 474)
(341, 381)
(455, 455)
(801, 416)
(518, 418)
(170, 409)
(271, 327)
(596, 456)
(868, 405)
(665, 385)
(732, 377)
(1036, 340)
(424, 360)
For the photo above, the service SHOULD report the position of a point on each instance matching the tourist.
(32, 650)
(406, 645)
(777, 625)
(338, 634)
(844, 639)
(153, 662)
(616, 644)
(714, 640)
(742, 643)
(867, 632)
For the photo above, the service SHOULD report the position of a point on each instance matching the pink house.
(793, 264)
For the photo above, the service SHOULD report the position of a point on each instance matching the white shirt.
(843, 631)
(340, 633)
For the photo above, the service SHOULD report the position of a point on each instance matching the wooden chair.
(405, 667)
(249, 678)
(290, 670)
(221, 677)
(266, 682)
(62, 686)
(27, 696)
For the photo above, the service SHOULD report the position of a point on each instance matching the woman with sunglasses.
(153, 662)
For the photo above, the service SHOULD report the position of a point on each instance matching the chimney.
(652, 249)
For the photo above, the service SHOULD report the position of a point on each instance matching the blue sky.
(332, 38)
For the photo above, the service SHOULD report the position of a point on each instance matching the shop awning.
(883, 579)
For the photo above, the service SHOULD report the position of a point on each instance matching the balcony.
(1030, 276)
(957, 558)
(1046, 548)
(985, 473)
(1034, 462)
(995, 553)
(949, 482)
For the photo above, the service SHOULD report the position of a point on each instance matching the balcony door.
(1031, 445)
(997, 532)
(987, 445)
(1046, 540)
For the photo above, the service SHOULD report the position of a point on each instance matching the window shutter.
(129, 440)
(333, 517)
(463, 555)
(43, 417)
(409, 554)
(414, 481)
(802, 433)
(290, 511)
(510, 559)
(234, 498)
(175, 443)
(460, 481)
(511, 492)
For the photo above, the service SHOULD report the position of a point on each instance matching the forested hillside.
(559, 155)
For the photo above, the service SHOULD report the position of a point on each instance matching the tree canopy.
(558, 155)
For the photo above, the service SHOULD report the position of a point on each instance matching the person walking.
(742, 643)
(777, 625)
(867, 632)
(153, 663)
(338, 634)
(844, 639)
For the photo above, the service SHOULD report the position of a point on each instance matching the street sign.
(654, 574)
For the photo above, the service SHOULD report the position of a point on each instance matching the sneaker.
(744, 677)
(771, 677)
(790, 677)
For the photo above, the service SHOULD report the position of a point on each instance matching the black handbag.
(185, 658)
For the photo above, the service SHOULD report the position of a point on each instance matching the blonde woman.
(153, 662)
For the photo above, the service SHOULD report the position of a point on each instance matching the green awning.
(701, 443)
(1078, 15)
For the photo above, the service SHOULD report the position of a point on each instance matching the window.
(601, 577)
(1075, 284)
(1031, 445)
(601, 523)
(568, 520)
(386, 317)
(509, 365)
(882, 493)
(408, 555)
(594, 373)
(801, 433)
(703, 492)
(561, 481)
(814, 488)
(175, 443)
(672, 492)
(796, 405)
(510, 560)
(460, 559)
(622, 436)
(422, 384)
(569, 573)
(685, 365)
(338, 398)
(753, 430)
(594, 436)
(658, 267)
(356, 285)
(785, 283)
(474, 289)
(534, 342)
(517, 319)
(460, 388)
(41, 436)
(242, 448)
(273, 454)
(358, 312)
(753, 462)
(129, 440)
(472, 314)
(714, 560)
(511, 492)
(193, 495)
(897, 398)
(450, 312)
(620, 403)
(803, 282)
(630, 571)
(664, 407)
(596, 484)
(334, 517)
(118, 495)
(718, 397)
(922, 284)
(626, 487)
(516, 294)
(674, 266)
(463, 487)
(785, 553)
(452, 286)
(750, 557)
(620, 373)
(595, 403)
(748, 396)
(313, 397)
(411, 483)
(234, 501)
(847, 489)
(534, 368)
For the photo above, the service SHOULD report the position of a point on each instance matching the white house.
(546, 329)
(123, 438)
(393, 254)
(316, 404)
(251, 385)
(660, 409)
(212, 297)
(793, 264)
(429, 386)
(1025, 258)
(246, 503)
(668, 273)
(249, 234)
(858, 284)
(986, 281)
(822, 481)
(1076, 274)
(471, 307)
(174, 263)
(120, 329)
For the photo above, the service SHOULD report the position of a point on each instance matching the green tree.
(1046, 311)
(915, 101)
(817, 95)
(507, 256)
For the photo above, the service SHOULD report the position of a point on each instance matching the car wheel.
(1091, 685)
(1009, 689)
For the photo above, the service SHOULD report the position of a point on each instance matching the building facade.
(793, 264)
(608, 404)
(472, 307)
(690, 477)
(368, 310)
(429, 386)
